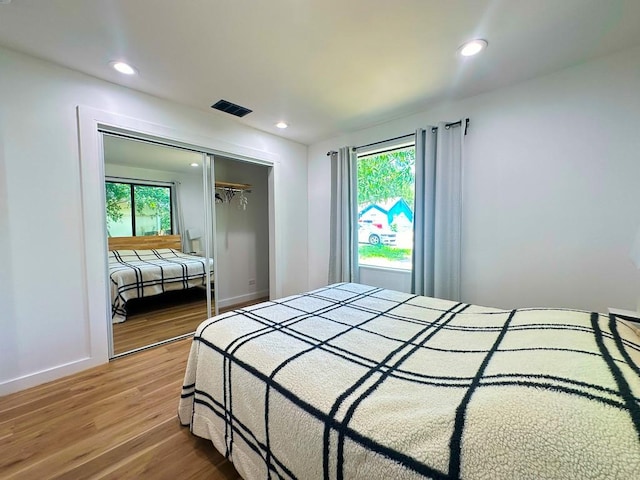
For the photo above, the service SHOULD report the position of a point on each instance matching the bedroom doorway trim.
(91, 122)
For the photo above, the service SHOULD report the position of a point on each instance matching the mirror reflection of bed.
(157, 291)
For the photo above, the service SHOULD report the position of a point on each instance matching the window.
(386, 186)
(138, 209)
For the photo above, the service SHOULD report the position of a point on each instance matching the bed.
(356, 382)
(151, 265)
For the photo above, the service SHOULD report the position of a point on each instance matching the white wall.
(45, 332)
(242, 235)
(393, 279)
(550, 190)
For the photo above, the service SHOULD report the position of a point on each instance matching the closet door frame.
(95, 295)
(210, 236)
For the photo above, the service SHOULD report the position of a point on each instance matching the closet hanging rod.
(230, 185)
(234, 190)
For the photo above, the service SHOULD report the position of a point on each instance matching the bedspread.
(356, 382)
(144, 273)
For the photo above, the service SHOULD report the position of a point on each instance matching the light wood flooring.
(115, 421)
(162, 317)
(154, 319)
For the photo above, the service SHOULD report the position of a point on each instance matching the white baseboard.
(48, 375)
(38, 378)
(228, 302)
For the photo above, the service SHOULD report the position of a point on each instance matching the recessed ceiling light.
(123, 68)
(473, 47)
(194, 164)
(282, 125)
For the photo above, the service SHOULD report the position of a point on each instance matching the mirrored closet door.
(160, 224)
(185, 239)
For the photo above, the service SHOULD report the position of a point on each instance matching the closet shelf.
(228, 191)
(234, 186)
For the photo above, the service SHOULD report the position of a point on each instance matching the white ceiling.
(133, 153)
(130, 152)
(324, 66)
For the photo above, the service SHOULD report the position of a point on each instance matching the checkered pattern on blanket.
(356, 382)
(144, 273)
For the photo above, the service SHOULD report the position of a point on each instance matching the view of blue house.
(396, 211)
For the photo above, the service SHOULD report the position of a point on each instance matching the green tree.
(387, 175)
(149, 200)
(116, 193)
(155, 201)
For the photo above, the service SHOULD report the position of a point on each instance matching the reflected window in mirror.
(138, 209)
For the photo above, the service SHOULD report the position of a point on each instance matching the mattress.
(356, 382)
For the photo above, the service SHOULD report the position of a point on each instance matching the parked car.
(375, 234)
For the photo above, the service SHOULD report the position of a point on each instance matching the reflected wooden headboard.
(145, 242)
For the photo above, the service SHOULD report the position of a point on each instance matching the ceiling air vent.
(232, 108)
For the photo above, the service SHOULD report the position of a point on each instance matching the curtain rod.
(330, 152)
(388, 140)
(455, 124)
(446, 125)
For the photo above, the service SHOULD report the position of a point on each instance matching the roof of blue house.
(401, 206)
(371, 207)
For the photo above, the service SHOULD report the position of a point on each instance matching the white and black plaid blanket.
(356, 382)
(144, 273)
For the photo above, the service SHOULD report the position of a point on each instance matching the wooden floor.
(166, 316)
(115, 421)
(154, 319)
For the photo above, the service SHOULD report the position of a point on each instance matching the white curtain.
(178, 218)
(343, 251)
(437, 233)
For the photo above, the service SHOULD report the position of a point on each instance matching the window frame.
(377, 148)
(144, 183)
